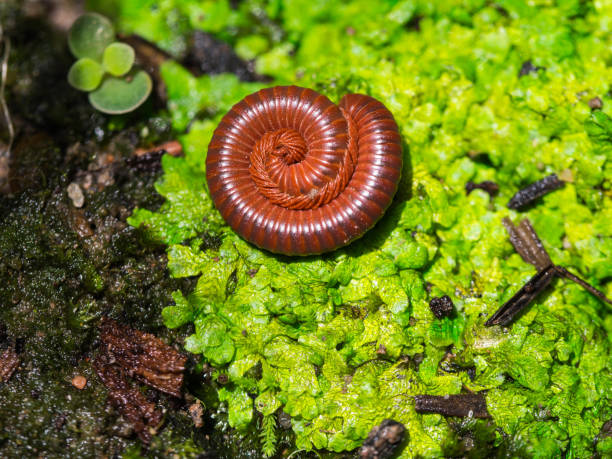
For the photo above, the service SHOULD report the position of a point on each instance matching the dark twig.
(3, 105)
(562, 272)
(382, 440)
(527, 243)
(532, 192)
(463, 405)
(529, 246)
(488, 186)
(534, 286)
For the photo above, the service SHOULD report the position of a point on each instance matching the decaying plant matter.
(126, 352)
(9, 361)
(532, 192)
(462, 405)
(529, 246)
(382, 440)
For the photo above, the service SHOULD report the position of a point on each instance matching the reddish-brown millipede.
(294, 173)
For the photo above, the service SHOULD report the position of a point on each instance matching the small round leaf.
(118, 58)
(89, 35)
(85, 74)
(122, 95)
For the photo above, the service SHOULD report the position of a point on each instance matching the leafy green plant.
(105, 67)
(341, 341)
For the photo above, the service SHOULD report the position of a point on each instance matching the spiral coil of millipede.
(293, 173)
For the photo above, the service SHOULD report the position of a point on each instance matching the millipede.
(296, 174)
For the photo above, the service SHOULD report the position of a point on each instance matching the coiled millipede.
(293, 173)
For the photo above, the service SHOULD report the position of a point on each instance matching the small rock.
(528, 68)
(284, 420)
(196, 411)
(595, 103)
(79, 382)
(76, 195)
(441, 306)
(488, 186)
(382, 440)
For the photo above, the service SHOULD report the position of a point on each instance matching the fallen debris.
(128, 400)
(150, 159)
(144, 357)
(79, 382)
(9, 361)
(595, 103)
(529, 246)
(196, 411)
(532, 192)
(489, 186)
(382, 440)
(528, 68)
(461, 405)
(125, 352)
(511, 309)
(441, 306)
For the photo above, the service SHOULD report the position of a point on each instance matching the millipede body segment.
(294, 173)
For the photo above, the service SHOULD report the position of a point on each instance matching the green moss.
(334, 338)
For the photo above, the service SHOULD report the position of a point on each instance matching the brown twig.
(562, 272)
(534, 286)
(143, 159)
(529, 246)
(462, 405)
(3, 105)
(532, 192)
(527, 243)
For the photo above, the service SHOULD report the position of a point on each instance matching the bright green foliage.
(90, 34)
(122, 95)
(103, 66)
(85, 74)
(118, 58)
(268, 435)
(333, 339)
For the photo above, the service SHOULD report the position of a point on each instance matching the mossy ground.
(469, 107)
(481, 90)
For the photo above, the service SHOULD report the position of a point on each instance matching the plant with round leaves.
(105, 67)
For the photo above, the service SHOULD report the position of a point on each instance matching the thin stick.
(529, 246)
(3, 104)
(539, 253)
(470, 405)
(532, 192)
(510, 310)
(561, 271)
